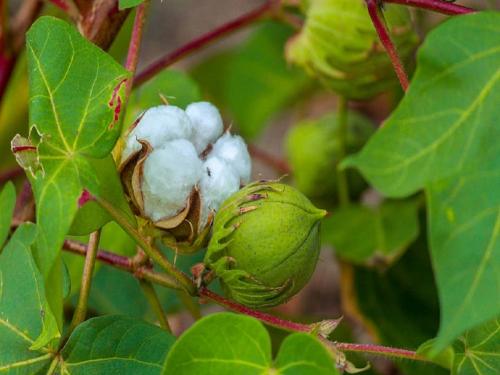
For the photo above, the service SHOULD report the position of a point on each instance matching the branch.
(29, 11)
(136, 37)
(123, 263)
(263, 317)
(88, 271)
(439, 6)
(181, 278)
(10, 174)
(68, 7)
(126, 264)
(377, 19)
(226, 29)
(152, 297)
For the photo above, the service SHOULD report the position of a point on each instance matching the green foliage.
(257, 82)
(124, 4)
(24, 312)
(315, 148)
(450, 148)
(7, 203)
(234, 344)
(115, 344)
(477, 351)
(75, 96)
(388, 230)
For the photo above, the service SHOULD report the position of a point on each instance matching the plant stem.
(264, 317)
(88, 271)
(155, 304)
(125, 263)
(279, 165)
(10, 174)
(182, 279)
(68, 7)
(385, 39)
(378, 350)
(189, 304)
(135, 40)
(342, 123)
(17, 33)
(194, 45)
(439, 6)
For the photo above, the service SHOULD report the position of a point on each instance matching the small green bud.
(265, 243)
(339, 46)
(314, 152)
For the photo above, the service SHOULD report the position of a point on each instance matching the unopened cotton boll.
(207, 124)
(233, 150)
(219, 181)
(157, 126)
(170, 174)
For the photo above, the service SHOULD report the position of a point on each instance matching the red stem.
(280, 165)
(379, 349)
(11, 174)
(439, 6)
(144, 272)
(135, 39)
(236, 24)
(263, 317)
(374, 11)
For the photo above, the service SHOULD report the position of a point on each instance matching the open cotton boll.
(207, 124)
(169, 175)
(219, 181)
(233, 149)
(157, 126)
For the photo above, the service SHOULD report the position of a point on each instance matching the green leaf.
(302, 354)
(175, 86)
(257, 82)
(465, 248)
(387, 231)
(7, 203)
(23, 309)
(478, 350)
(450, 147)
(448, 120)
(227, 343)
(91, 216)
(224, 343)
(115, 345)
(123, 4)
(76, 91)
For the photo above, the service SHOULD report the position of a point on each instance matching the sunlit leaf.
(76, 93)
(227, 343)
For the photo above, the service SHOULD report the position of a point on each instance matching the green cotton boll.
(340, 47)
(265, 244)
(314, 152)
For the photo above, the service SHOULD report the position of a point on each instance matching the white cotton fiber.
(233, 150)
(157, 126)
(218, 182)
(207, 124)
(170, 173)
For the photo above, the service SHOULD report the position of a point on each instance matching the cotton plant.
(178, 167)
